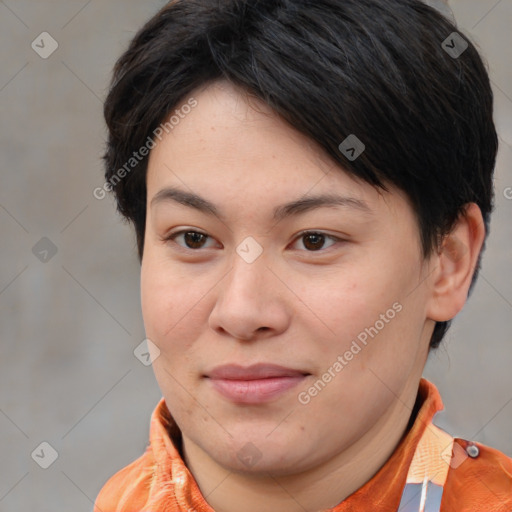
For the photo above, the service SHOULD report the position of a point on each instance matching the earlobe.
(455, 265)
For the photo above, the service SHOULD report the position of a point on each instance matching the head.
(232, 111)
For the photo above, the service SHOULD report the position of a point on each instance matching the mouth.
(254, 384)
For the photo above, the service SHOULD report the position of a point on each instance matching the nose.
(251, 302)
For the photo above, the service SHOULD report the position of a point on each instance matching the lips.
(254, 384)
(256, 371)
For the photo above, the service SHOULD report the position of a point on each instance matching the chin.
(257, 457)
(274, 466)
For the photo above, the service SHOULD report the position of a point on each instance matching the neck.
(321, 487)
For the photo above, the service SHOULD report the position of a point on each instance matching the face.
(263, 254)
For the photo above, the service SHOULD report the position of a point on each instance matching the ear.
(454, 265)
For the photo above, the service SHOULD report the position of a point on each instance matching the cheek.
(155, 298)
(369, 312)
(343, 305)
(170, 300)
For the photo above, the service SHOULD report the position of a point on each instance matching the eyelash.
(172, 236)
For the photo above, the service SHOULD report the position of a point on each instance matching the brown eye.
(315, 241)
(194, 240)
(191, 239)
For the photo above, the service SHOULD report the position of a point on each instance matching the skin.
(204, 305)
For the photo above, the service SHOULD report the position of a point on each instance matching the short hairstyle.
(377, 69)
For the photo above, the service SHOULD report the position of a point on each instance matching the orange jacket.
(427, 463)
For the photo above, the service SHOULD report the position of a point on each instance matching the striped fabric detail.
(428, 471)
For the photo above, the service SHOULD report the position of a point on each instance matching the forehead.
(231, 143)
(230, 130)
(227, 121)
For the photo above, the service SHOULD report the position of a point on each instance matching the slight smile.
(254, 384)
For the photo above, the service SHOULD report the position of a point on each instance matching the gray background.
(69, 326)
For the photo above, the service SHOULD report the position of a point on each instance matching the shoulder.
(480, 478)
(130, 484)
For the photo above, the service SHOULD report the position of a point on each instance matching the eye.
(314, 240)
(191, 239)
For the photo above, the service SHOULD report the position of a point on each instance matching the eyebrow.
(299, 206)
